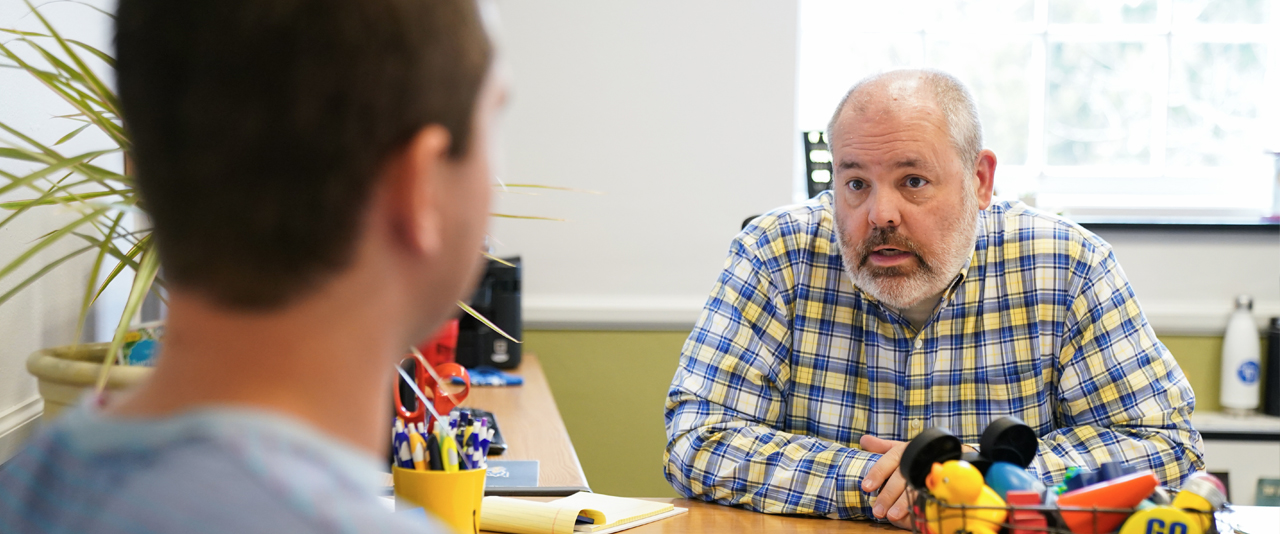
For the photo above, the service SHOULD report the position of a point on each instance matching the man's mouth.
(888, 256)
(889, 251)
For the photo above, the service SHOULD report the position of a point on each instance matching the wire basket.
(953, 518)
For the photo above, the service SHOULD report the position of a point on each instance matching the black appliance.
(498, 299)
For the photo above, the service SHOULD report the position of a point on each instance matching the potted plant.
(101, 199)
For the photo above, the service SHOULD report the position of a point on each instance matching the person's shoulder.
(166, 474)
(795, 225)
(1032, 228)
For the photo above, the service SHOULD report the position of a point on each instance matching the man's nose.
(883, 209)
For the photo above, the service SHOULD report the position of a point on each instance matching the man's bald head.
(895, 90)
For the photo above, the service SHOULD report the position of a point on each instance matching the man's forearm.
(770, 471)
(1171, 453)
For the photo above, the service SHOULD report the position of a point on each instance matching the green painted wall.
(611, 385)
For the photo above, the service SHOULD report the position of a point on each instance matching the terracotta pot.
(65, 373)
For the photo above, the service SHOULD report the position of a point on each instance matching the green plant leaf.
(55, 200)
(94, 83)
(148, 266)
(23, 209)
(53, 167)
(528, 217)
(552, 187)
(126, 259)
(19, 154)
(72, 135)
(40, 274)
(110, 61)
(58, 84)
(89, 295)
(49, 239)
(497, 259)
(472, 312)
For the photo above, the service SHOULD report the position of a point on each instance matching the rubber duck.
(958, 482)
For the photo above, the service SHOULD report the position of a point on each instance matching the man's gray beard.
(901, 290)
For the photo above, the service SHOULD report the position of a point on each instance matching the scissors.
(433, 381)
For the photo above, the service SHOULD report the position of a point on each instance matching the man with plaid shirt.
(905, 299)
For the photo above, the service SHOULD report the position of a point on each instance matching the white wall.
(680, 111)
(44, 314)
(684, 114)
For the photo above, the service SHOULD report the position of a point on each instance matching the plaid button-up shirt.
(790, 364)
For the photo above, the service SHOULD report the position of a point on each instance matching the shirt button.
(915, 425)
(919, 343)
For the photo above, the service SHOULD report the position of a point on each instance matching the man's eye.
(857, 185)
(916, 182)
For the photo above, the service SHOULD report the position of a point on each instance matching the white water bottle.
(1241, 351)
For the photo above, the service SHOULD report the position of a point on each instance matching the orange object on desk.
(443, 346)
(1123, 492)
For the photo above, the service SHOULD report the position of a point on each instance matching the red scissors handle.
(433, 382)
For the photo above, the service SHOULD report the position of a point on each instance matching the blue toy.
(1004, 476)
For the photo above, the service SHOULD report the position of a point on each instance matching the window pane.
(831, 63)
(1223, 11)
(1102, 11)
(1098, 106)
(983, 11)
(997, 74)
(1214, 93)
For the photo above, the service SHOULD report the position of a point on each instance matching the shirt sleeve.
(727, 402)
(1120, 396)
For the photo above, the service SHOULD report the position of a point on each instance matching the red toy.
(1124, 492)
(1025, 521)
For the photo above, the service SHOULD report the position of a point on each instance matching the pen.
(433, 454)
(404, 454)
(448, 449)
(418, 445)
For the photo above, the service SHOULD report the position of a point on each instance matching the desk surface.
(705, 517)
(531, 424)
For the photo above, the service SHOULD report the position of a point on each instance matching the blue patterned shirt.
(213, 471)
(790, 364)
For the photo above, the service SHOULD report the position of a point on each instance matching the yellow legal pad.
(611, 514)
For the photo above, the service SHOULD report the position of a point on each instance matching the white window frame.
(1112, 191)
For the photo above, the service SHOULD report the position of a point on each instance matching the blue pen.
(404, 455)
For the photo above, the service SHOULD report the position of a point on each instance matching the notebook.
(510, 474)
(607, 514)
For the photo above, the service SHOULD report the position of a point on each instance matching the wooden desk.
(531, 425)
(707, 517)
(704, 517)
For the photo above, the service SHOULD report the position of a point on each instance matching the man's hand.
(892, 502)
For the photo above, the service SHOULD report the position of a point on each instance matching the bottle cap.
(1244, 301)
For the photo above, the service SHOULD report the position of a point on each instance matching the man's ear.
(985, 173)
(415, 190)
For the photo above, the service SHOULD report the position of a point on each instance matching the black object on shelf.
(497, 298)
(817, 162)
(1271, 382)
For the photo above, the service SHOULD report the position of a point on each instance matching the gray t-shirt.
(212, 471)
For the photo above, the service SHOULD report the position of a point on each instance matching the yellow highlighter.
(448, 448)
(418, 445)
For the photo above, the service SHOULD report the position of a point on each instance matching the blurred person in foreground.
(906, 299)
(318, 176)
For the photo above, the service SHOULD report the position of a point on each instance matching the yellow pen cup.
(452, 497)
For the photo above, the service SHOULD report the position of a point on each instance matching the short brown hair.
(259, 127)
